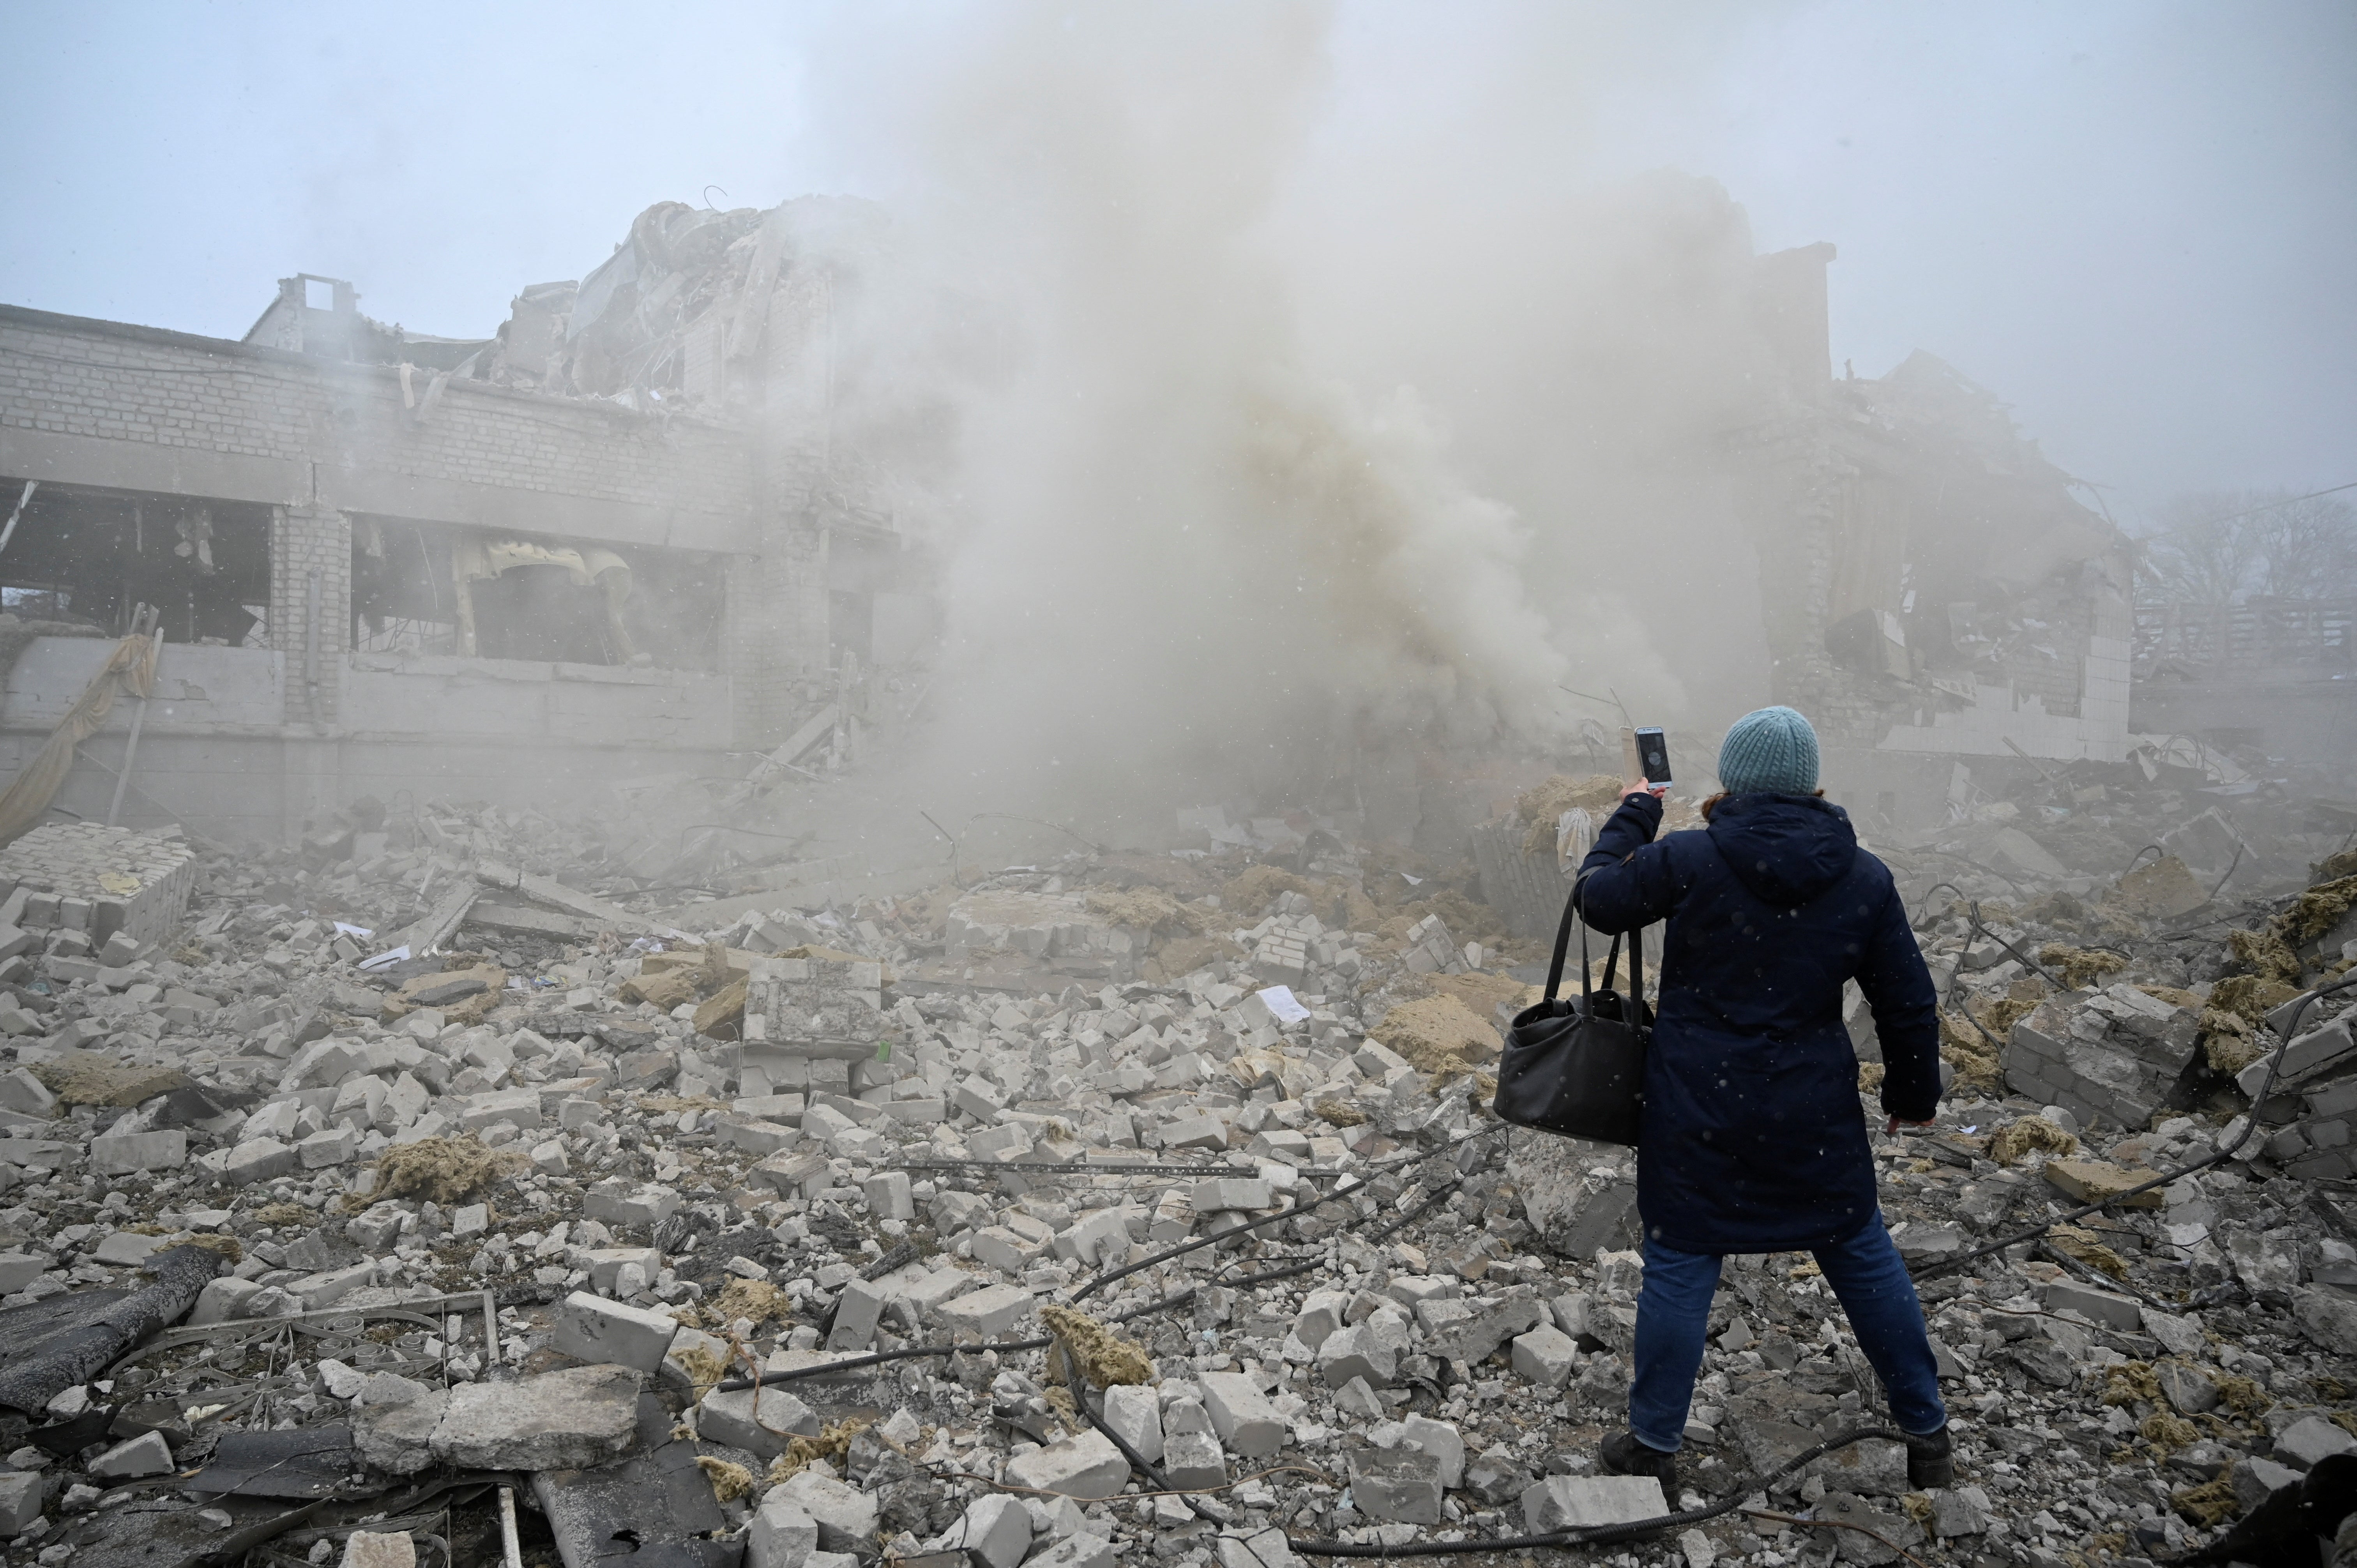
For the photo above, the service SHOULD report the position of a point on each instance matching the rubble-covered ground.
(676, 1159)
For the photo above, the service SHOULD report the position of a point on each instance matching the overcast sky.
(2136, 222)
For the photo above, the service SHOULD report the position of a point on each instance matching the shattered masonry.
(676, 1159)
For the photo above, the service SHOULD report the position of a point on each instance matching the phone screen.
(1654, 756)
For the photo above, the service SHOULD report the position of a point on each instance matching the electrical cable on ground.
(918, 1352)
(1586, 1536)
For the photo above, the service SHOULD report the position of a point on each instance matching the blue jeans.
(1674, 1314)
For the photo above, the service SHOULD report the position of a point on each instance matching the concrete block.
(845, 1516)
(888, 1195)
(1545, 1356)
(2256, 1480)
(793, 1174)
(782, 1535)
(1135, 1414)
(1099, 1235)
(1192, 1459)
(1959, 1510)
(996, 1532)
(20, 1501)
(331, 1285)
(521, 1106)
(926, 1293)
(145, 1454)
(618, 1203)
(1086, 1466)
(1005, 1144)
(1399, 1486)
(1570, 1502)
(18, 1270)
(1444, 1443)
(21, 1092)
(332, 1146)
(397, 1435)
(257, 1160)
(1242, 1416)
(223, 1300)
(1082, 1550)
(2312, 1438)
(1006, 1250)
(857, 1309)
(1355, 1352)
(124, 1250)
(1229, 1193)
(371, 1549)
(786, 1110)
(1202, 1131)
(731, 1418)
(2102, 1306)
(990, 1312)
(591, 1328)
(1321, 1314)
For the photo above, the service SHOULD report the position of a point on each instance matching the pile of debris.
(1120, 1208)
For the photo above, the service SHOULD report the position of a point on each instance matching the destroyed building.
(428, 1168)
(643, 516)
(347, 529)
(1939, 596)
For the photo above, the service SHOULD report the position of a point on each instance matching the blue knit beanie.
(1772, 751)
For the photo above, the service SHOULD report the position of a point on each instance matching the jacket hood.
(1784, 849)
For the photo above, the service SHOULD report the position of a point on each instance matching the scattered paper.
(1282, 1004)
(388, 959)
(344, 929)
(1413, 881)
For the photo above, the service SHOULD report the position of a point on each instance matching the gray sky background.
(2136, 222)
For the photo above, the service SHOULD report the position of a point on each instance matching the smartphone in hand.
(1654, 756)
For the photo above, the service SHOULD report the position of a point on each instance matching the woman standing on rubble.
(1752, 1140)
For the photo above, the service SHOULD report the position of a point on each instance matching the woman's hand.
(1640, 786)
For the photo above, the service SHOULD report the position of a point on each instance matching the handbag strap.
(1563, 944)
(1563, 949)
(1637, 973)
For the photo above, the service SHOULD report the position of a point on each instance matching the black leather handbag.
(1576, 1069)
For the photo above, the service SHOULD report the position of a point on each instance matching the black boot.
(1930, 1461)
(1622, 1455)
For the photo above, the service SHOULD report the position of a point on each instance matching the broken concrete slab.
(569, 1420)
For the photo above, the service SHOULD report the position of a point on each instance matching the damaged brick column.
(774, 644)
(310, 618)
(310, 607)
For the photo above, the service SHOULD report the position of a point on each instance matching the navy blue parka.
(1753, 1140)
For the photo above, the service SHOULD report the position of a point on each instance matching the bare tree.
(2195, 558)
(2309, 548)
(2219, 547)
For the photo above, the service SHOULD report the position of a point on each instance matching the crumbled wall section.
(816, 999)
(1807, 478)
(310, 548)
(1810, 489)
(774, 643)
(81, 877)
(286, 428)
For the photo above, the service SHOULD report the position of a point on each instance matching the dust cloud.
(1186, 555)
